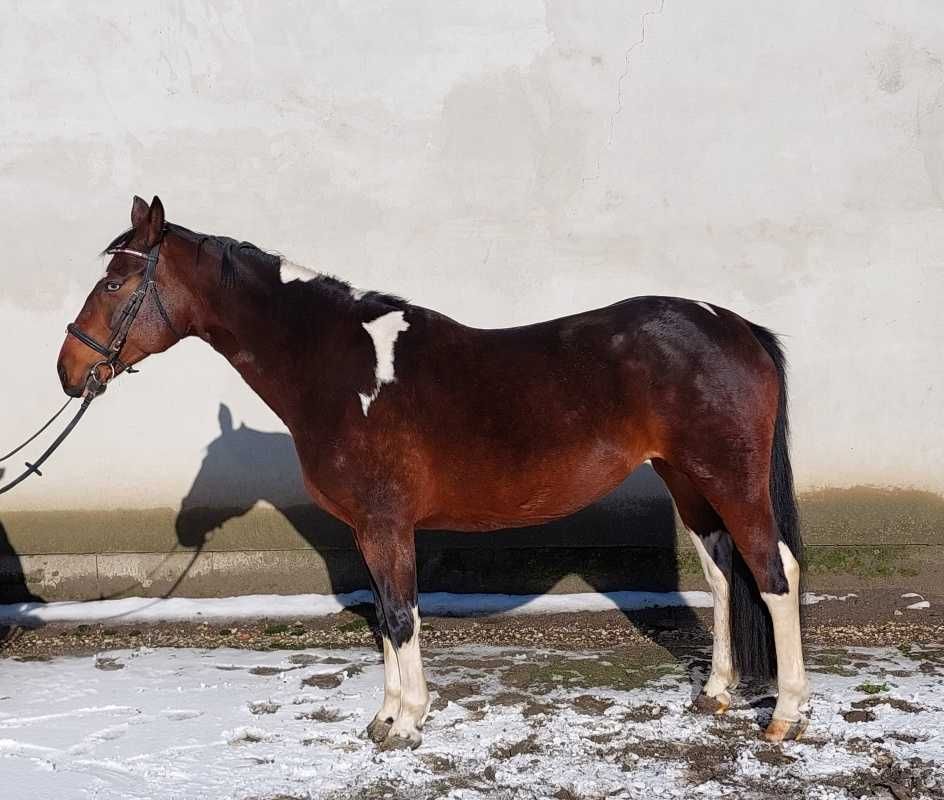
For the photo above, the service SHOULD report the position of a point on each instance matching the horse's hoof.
(378, 729)
(703, 704)
(396, 741)
(783, 730)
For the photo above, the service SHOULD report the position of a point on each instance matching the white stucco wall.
(502, 162)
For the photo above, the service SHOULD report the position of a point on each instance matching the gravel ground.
(874, 618)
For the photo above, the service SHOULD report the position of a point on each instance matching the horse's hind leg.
(390, 555)
(747, 511)
(713, 545)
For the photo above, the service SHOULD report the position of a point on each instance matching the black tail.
(752, 633)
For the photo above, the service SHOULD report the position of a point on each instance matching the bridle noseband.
(119, 333)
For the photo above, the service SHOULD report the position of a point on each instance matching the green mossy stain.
(617, 671)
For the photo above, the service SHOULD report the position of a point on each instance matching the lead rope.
(32, 469)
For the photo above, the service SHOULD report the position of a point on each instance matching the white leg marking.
(391, 702)
(706, 307)
(383, 331)
(793, 690)
(290, 271)
(722, 675)
(414, 696)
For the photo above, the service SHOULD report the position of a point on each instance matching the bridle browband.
(119, 333)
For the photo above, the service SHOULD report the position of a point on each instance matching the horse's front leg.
(383, 720)
(390, 555)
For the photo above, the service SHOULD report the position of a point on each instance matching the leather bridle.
(119, 332)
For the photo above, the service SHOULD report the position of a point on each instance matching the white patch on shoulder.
(290, 271)
(707, 307)
(357, 294)
(383, 331)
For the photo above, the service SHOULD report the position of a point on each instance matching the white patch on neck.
(707, 307)
(383, 331)
(290, 271)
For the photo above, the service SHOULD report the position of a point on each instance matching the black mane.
(233, 253)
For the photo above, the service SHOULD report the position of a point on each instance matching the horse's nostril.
(62, 374)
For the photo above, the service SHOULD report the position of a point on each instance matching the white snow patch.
(811, 598)
(300, 606)
(921, 604)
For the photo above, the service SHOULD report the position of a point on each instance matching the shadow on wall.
(625, 541)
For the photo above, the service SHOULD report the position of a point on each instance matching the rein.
(32, 469)
(111, 351)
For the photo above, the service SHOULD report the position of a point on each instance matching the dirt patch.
(509, 699)
(895, 702)
(108, 663)
(263, 707)
(526, 746)
(324, 680)
(591, 705)
(553, 671)
(266, 672)
(644, 713)
(323, 714)
(536, 708)
(304, 659)
(455, 692)
(858, 716)
(774, 757)
(481, 664)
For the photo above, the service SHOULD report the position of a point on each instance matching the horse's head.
(134, 310)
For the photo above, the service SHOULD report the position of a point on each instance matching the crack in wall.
(627, 56)
(625, 73)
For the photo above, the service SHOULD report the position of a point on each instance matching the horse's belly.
(495, 497)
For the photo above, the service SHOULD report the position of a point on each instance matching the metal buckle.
(93, 383)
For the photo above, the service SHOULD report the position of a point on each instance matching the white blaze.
(383, 332)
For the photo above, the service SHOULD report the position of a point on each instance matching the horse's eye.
(112, 286)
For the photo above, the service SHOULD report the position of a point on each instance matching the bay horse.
(403, 418)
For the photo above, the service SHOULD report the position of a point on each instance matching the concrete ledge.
(627, 541)
(511, 571)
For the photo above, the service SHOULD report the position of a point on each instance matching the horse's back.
(529, 423)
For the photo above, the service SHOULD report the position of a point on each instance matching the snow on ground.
(187, 723)
(274, 606)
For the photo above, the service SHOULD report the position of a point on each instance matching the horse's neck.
(268, 339)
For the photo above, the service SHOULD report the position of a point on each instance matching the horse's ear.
(155, 224)
(225, 417)
(139, 211)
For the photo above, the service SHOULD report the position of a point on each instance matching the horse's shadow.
(586, 550)
(13, 585)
